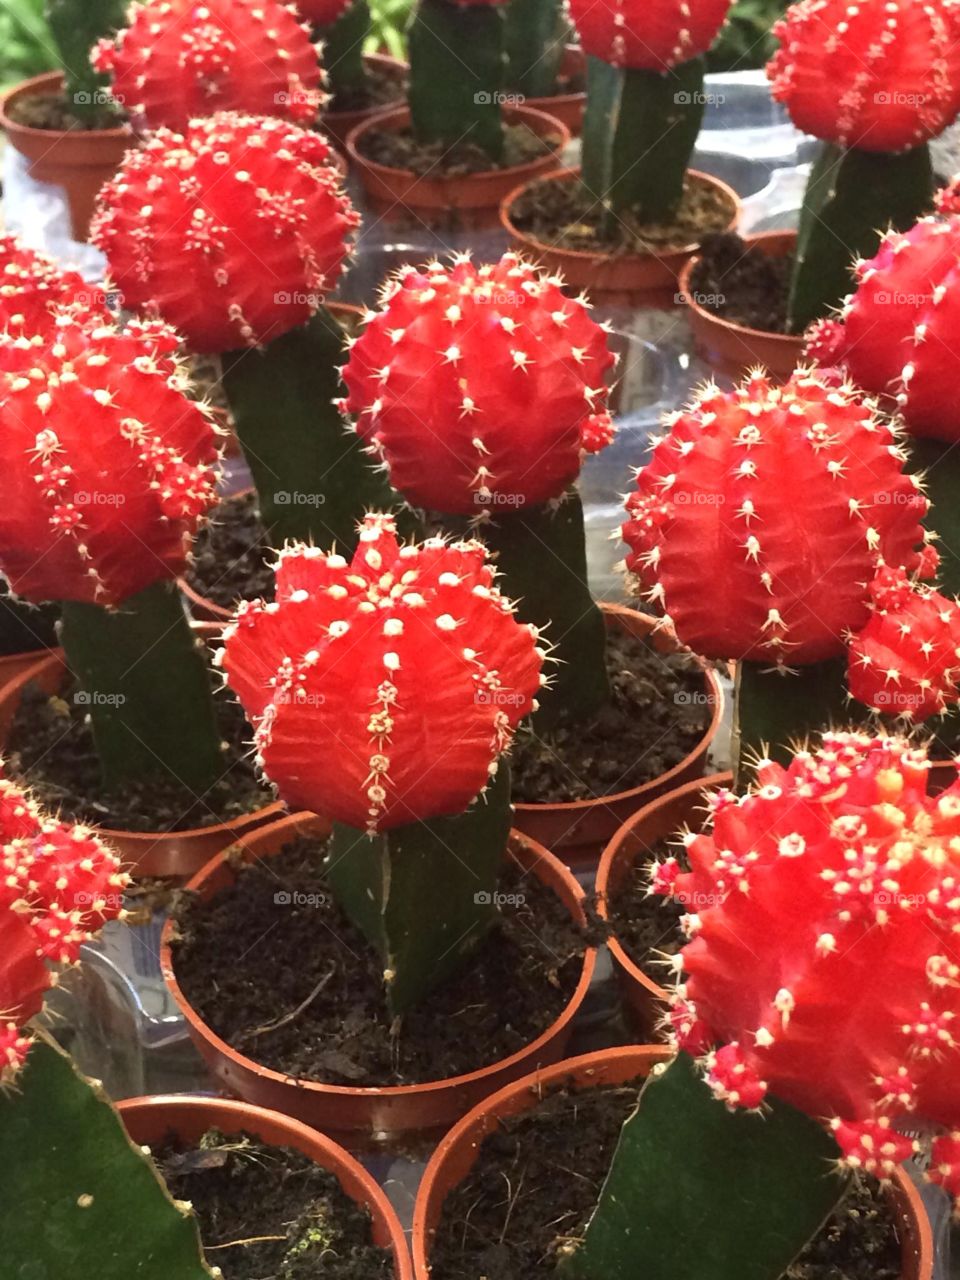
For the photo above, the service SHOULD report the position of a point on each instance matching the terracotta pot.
(175, 853)
(625, 276)
(664, 817)
(337, 125)
(387, 1111)
(578, 829)
(736, 347)
(568, 108)
(80, 160)
(14, 664)
(150, 1121)
(475, 197)
(457, 1153)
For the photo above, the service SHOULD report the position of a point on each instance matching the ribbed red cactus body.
(32, 285)
(106, 466)
(178, 59)
(233, 232)
(58, 885)
(761, 516)
(823, 917)
(651, 35)
(383, 691)
(878, 76)
(480, 388)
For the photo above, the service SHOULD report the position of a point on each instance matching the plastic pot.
(474, 197)
(151, 1121)
(378, 1112)
(577, 830)
(175, 853)
(736, 347)
(457, 1153)
(568, 108)
(337, 125)
(79, 160)
(621, 275)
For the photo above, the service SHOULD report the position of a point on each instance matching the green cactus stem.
(535, 32)
(691, 1181)
(456, 74)
(144, 679)
(343, 44)
(852, 197)
(313, 480)
(77, 1198)
(639, 132)
(76, 26)
(424, 895)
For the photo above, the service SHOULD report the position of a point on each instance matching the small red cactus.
(762, 514)
(178, 59)
(878, 77)
(383, 691)
(822, 954)
(58, 886)
(105, 465)
(480, 388)
(232, 232)
(322, 13)
(651, 35)
(32, 285)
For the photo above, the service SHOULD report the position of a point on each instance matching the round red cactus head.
(822, 917)
(233, 232)
(651, 35)
(878, 77)
(741, 570)
(384, 690)
(322, 13)
(178, 59)
(106, 466)
(58, 886)
(32, 286)
(480, 388)
(897, 335)
(906, 660)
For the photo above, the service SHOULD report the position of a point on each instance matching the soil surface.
(399, 149)
(53, 111)
(231, 554)
(741, 284)
(657, 715)
(270, 1213)
(537, 1179)
(647, 926)
(567, 216)
(381, 88)
(51, 748)
(246, 961)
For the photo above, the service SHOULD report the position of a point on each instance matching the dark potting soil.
(53, 111)
(537, 1179)
(741, 284)
(658, 713)
(399, 149)
(51, 748)
(647, 926)
(294, 985)
(231, 554)
(270, 1213)
(381, 88)
(567, 216)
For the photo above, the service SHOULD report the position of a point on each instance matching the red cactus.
(99, 450)
(32, 285)
(178, 59)
(58, 886)
(322, 13)
(744, 573)
(650, 35)
(823, 921)
(233, 232)
(878, 77)
(898, 333)
(479, 387)
(383, 690)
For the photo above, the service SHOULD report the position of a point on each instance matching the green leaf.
(697, 1192)
(78, 1200)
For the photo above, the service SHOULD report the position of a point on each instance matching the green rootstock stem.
(696, 1190)
(76, 26)
(639, 132)
(851, 198)
(343, 49)
(77, 1198)
(424, 895)
(313, 480)
(456, 74)
(145, 681)
(534, 36)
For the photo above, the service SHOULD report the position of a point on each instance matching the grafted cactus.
(32, 285)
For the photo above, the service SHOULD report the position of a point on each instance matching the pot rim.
(448, 1083)
(37, 84)
(575, 59)
(385, 62)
